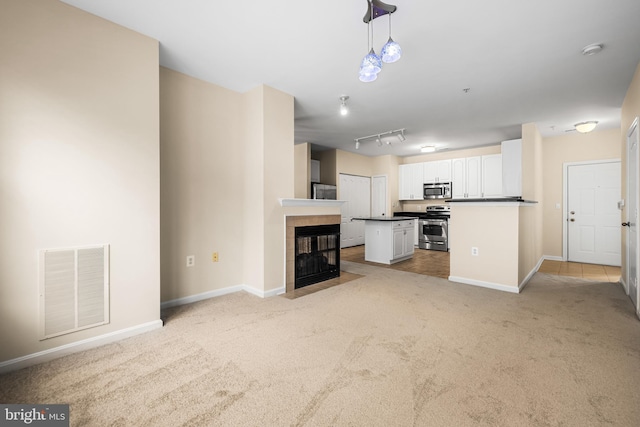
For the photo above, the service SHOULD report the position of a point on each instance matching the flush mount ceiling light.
(378, 137)
(592, 49)
(371, 64)
(428, 148)
(586, 127)
(344, 110)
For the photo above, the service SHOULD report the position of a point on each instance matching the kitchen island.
(388, 240)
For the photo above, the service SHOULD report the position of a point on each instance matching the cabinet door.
(408, 240)
(405, 182)
(398, 242)
(492, 175)
(458, 178)
(444, 171)
(512, 167)
(430, 172)
(474, 177)
(315, 170)
(417, 181)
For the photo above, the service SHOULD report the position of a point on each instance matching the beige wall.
(226, 160)
(630, 110)
(278, 183)
(202, 184)
(494, 231)
(530, 246)
(572, 147)
(79, 162)
(302, 171)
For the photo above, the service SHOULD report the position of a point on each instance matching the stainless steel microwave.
(437, 190)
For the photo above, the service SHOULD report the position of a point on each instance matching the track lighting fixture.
(381, 139)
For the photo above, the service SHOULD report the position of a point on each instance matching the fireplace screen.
(317, 250)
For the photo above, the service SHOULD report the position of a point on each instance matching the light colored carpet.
(389, 349)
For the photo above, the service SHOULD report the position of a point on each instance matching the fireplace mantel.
(311, 202)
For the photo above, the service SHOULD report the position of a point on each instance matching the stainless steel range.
(433, 228)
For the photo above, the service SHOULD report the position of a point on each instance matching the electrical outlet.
(214, 257)
(474, 251)
(191, 260)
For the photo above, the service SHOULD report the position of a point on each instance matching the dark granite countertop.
(492, 200)
(384, 218)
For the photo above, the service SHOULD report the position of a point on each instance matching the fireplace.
(317, 254)
(295, 222)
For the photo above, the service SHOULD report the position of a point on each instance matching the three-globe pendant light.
(371, 64)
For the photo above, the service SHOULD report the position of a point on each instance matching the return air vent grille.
(74, 289)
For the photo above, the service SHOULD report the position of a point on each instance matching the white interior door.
(632, 214)
(593, 192)
(356, 192)
(379, 195)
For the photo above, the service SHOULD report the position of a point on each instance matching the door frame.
(386, 192)
(565, 196)
(625, 273)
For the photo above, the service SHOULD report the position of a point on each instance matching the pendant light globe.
(371, 63)
(368, 77)
(391, 52)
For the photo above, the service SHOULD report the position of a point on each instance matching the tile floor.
(603, 273)
(436, 263)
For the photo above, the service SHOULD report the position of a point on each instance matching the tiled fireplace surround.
(301, 221)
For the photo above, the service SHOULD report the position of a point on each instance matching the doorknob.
(626, 224)
(572, 212)
(572, 219)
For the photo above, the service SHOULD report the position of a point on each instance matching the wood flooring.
(436, 263)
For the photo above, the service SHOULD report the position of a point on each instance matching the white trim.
(220, 292)
(552, 258)
(495, 286)
(565, 194)
(533, 271)
(86, 344)
(200, 297)
(264, 294)
(312, 203)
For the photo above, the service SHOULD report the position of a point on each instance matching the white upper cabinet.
(458, 178)
(315, 170)
(466, 177)
(492, 175)
(410, 179)
(512, 168)
(437, 171)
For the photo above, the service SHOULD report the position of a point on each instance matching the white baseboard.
(551, 258)
(490, 285)
(63, 350)
(200, 297)
(219, 292)
(533, 271)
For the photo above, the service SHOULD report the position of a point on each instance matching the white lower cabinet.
(388, 242)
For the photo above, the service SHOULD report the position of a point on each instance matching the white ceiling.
(521, 60)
